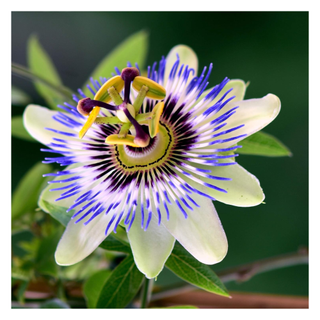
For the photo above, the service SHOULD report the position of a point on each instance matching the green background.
(269, 49)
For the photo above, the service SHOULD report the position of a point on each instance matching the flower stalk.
(146, 293)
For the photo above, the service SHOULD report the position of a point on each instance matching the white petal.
(201, 233)
(187, 57)
(242, 191)
(151, 248)
(238, 90)
(79, 240)
(255, 114)
(36, 119)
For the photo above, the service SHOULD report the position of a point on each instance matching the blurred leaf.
(44, 260)
(18, 273)
(121, 235)
(22, 289)
(41, 65)
(17, 238)
(83, 269)
(112, 244)
(18, 130)
(57, 212)
(122, 285)
(48, 267)
(185, 266)
(47, 247)
(263, 144)
(26, 194)
(30, 247)
(54, 304)
(18, 97)
(133, 49)
(26, 220)
(94, 285)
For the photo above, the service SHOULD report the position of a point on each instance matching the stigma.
(114, 98)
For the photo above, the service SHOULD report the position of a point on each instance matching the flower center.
(133, 159)
(125, 114)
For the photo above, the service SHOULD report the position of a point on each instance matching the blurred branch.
(26, 73)
(240, 300)
(247, 271)
(244, 272)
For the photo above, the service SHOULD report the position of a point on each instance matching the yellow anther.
(92, 117)
(128, 140)
(101, 95)
(155, 91)
(155, 118)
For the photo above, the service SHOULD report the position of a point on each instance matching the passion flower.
(151, 153)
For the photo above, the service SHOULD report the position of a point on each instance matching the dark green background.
(269, 49)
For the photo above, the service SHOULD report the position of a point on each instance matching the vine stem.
(146, 292)
(243, 272)
(26, 73)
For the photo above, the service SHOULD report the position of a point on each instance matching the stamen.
(156, 91)
(155, 118)
(102, 96)
(86, 105)
(92, 117)
(128, 140)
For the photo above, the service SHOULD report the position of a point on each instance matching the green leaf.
(20, 274)
(122, 285)
(22, 289)
(57, 212)
(54, 304)
(81, 270)
(18, 97)
(25, 196)
(185, 266)
(19, 131)
(20, 236)
(263, 144)
(41, 65)
(133, 49)
(94, 285)
(45, 263)
(112, 244)
(121, 235)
